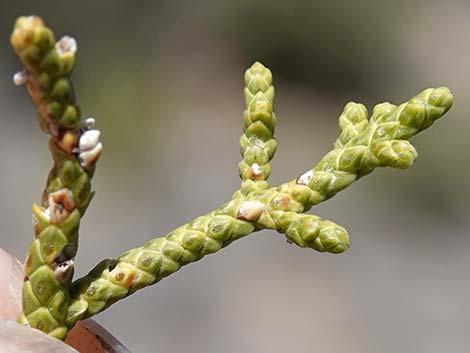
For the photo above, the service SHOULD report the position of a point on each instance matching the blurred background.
(164, 80)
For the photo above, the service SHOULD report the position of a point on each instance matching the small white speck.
(87, 123)
(88, 140)
(305, 178)
(259, 143)
(256, 169)
(64, 271)
(66, 44)
(87, 158)
(21, 77)
(250, 210)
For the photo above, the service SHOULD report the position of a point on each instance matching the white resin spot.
(250, 210)
(256, 169)
(20, 78)
(305, 178)
(88, 140)
(87, 123)
(66, 44)
(64, 271)
(87, 158)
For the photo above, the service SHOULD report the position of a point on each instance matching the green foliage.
(49, 263)
(363, 145)
(54, 305)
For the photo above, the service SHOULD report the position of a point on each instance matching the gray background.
(164, 80)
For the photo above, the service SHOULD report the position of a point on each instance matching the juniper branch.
(257, 143)
(75, 148)
(363, 145)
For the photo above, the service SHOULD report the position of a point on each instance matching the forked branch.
(53, 305)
